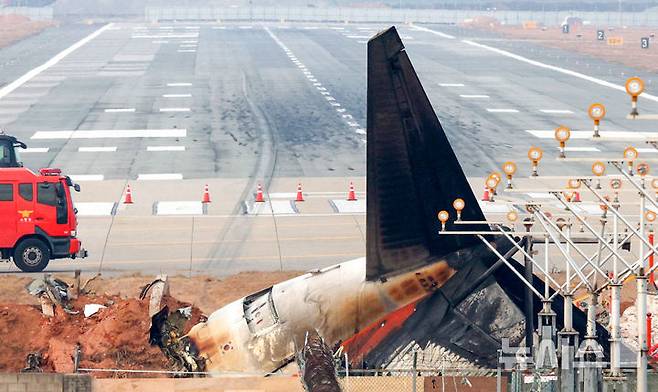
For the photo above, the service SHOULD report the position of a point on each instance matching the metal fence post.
(415, 367)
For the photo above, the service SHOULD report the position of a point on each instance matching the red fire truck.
(37, 218)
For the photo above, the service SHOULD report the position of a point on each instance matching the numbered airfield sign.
(644, 42)
(600, 35)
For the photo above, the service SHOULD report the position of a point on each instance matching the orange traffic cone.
(576, 197)
(206, 195)
(259, 195)
(485, 196)
(129, 196)
(300, 196)
(351, 195)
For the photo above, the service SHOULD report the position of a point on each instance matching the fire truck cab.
(37, 218)
(8, 151)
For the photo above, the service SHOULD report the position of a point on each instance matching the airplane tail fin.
(412, 171)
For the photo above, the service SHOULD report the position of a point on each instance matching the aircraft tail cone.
(300, 195)
(351, 195)
(259, 194)
(129, 196)
(206, 195)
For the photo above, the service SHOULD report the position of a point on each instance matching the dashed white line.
(556, 111)
(440, 34)
(451, 84)
(109, 134)
(160, 42)
(120, 110)
(474, 96)
(34, 150)
(169, 110)
(502, 110)
(186, 51)
(580, 149)
(179, 84)
(176, 95)
(87, 177)
(97, 149)
(165, 148)
(622, 135)
(159, 176)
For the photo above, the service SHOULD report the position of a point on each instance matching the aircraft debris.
(33, 363)
(158, 288)
(316, 365)
(51, 292)
(167, 333)
(92, 309)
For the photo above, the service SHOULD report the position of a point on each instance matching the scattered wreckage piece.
(167, 333)
(158, 288)
(92, 309)
(316, 365)
(33, 363)
(51, 292)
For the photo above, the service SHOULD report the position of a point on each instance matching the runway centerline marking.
(451, 84)
(87, 177)
(109, 134)
(159, 176)
(8, 89)
(502, 110)
(120, 110)
(97, 149)
(440, 34)
(474, 96)
(165, 148)
(30, 150)
(179, 84)
(176, 95)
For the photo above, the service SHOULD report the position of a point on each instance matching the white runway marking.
(350, 207)
(565, 71)
(120, 110)
(188, 46)
(540, 195)
(167, 110)
(95, 208)
(623, 135)
(451, 84)
(246, 27)
(160, 176)
(179, 208)
(581, 149)
(162, 36)
(647, 150)
(556, 111)
(87, 177)
(192, 27)
(176, 95)
(165, 148)
(186, 51)
(358, 36)
(97, 149)
(189, 42)
(278, 207)
(218, 28)
(502, 111)
(179, 84)
(109, 134)
(160, 42)
(440, 34)
(493, 208)
(474, 96)
(6, 90)
(30, 150)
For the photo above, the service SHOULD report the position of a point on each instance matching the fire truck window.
(5, 156)
(6, 192)
(46, 194)
(26, 191)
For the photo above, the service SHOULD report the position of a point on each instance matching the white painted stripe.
(246, 27)
(188, 46)
(647, 150)
(186, 51)
(109, 134)
(540, 195)
(160, 176)
(556, 111)
(350, 207)
(87, 177)
(440, 34)
(8, 89)
(473, 96)
(189, 42)
(97, 149)
(165, 148)
(179, 84)
(277, 207)
(622, 135)
(126, 110)
(157, 36)
(33, 150)
(176, 95)
(451, 84)
(94, 208)
(493, 208)
(160, 42)
(192, 27)
(166, 110)
(179, 208)
(502, 111)
(558, 69)
(358, 36)
(580, 149)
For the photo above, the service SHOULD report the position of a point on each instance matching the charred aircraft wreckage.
(415, 289)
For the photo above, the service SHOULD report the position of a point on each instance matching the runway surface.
(171, 107)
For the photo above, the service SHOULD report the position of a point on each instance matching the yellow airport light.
(443, 218)
(562, 134)
(491, 183)
(634, 87)
(630, 155)
(535, 154)
(596, 112)
(512, 216)
(615, 184)
(598, 169)
(459, 205)
(509, 168)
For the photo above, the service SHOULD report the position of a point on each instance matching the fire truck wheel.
(31, 255)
